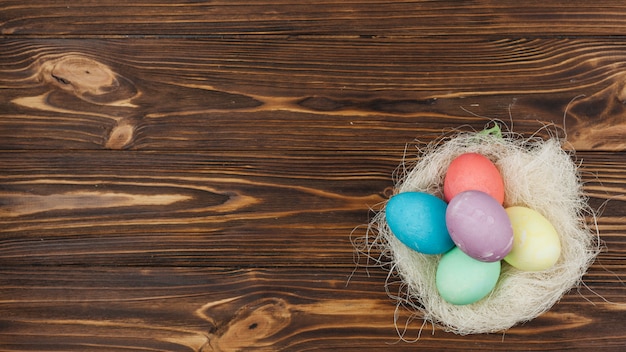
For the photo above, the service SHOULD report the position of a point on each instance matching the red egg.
(473, 172)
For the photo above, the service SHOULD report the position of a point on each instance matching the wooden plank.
(303, 94)
(215, 209)
(188, 176)
(185, 209)
(287, 17)
(210, 309)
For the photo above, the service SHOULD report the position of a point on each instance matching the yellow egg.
(536, 244)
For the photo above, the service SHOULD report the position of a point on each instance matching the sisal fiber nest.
(537, 174)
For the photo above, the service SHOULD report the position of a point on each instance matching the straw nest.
(537, 174)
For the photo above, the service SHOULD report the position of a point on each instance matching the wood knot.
(83, 75)
(121, 135)
(89, 80)
(621, 92)
(257, 324)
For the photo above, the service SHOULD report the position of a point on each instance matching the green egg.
(462, 279)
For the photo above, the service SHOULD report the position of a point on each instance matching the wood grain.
(209, 207)
(368, 18)
(190, 176)
(93, 94)
(204, 309)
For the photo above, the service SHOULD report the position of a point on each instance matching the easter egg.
(536, 244)
(473, 171)
(418, 220)
(461, 279)
(479, 226)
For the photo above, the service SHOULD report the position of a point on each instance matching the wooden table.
(187, 177)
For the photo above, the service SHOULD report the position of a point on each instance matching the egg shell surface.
(473, 171)
(536, 243)
(462, 280)
(479, 226)
(418, 220)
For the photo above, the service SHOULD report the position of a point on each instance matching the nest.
(537, 174)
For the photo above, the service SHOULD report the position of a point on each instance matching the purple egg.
(479, 226)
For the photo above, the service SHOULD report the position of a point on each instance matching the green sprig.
(494, 131)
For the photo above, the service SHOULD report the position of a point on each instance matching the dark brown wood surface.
(189, 176)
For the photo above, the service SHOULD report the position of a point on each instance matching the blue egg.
(418, 220)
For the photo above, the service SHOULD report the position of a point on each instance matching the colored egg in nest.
(418, 220)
